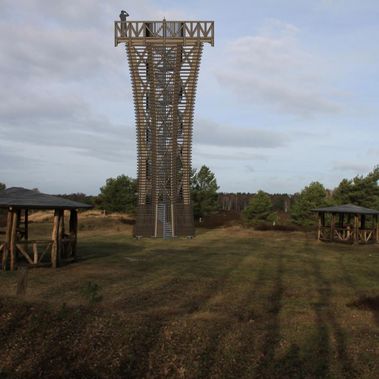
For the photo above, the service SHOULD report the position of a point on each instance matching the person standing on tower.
(123, 16)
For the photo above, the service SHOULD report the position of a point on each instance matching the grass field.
(231, 303)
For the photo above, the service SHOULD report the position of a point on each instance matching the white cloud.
(272, 68)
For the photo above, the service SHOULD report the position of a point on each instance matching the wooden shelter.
(348, 223)
(14, 240)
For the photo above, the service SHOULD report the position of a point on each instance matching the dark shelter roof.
(18, 197)
(348, 208)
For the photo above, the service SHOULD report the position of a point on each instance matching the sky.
(288, 95)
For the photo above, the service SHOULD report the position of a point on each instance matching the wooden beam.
(54, 237)
(24, 253)
(26, 224)
(61, 234)
(13, 241)
(332, 226)
(319, 226)
(356, 232)
(7, 239)
(49, 245)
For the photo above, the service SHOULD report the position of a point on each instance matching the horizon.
(287, 96)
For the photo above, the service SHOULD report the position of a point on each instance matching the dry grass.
(47, 216)
(230, 303)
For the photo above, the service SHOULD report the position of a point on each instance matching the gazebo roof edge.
(347, 208)
(18, 197)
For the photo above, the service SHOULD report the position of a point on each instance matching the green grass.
(229, 303)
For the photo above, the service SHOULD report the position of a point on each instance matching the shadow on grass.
(328, 325)
(201, 311)
(175, 300)
(265, 367)
(175, 284)
(368, 303)
(95, 250)
(362, 302)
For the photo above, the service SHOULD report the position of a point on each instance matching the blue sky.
(288, 95)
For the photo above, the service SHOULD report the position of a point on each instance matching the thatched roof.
(17, 197)
(348, 208)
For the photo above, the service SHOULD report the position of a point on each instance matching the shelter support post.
(55, 239)
(26, 224)
(319, 226)
(332, 226)
(376, 229)
(356, 229)
(7, 239)
(13, 240)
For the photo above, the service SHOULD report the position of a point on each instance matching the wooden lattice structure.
(164, 59)
(348, 223)
(15, 244)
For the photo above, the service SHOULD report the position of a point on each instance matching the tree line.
(360, 190)
(120, 195)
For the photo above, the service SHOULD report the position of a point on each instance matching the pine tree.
(203, 192)
(259, 208)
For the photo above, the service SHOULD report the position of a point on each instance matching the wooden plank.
(13, 241)
(24, 253)
(30, 242)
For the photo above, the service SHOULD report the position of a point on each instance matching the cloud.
(211, 133)
(272, 68)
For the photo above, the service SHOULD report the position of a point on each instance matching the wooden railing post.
(13, 241)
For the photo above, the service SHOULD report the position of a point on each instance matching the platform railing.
(170, 31)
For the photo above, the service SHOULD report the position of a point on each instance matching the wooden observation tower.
(164, 59)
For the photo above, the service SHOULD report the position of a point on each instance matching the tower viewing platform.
(169, 32)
